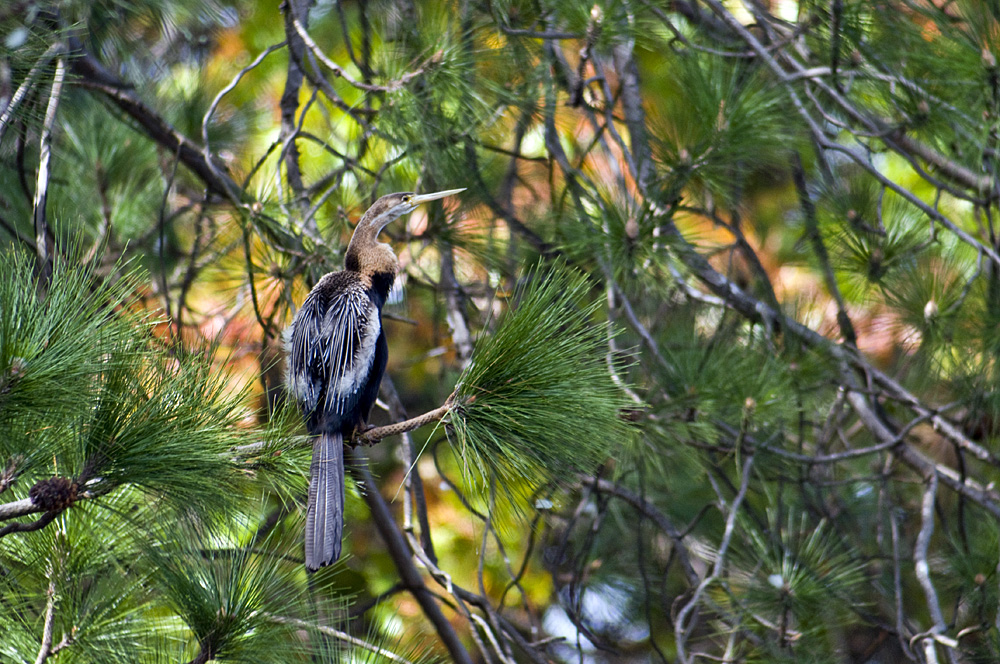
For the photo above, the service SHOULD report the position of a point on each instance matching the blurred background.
(718, 312)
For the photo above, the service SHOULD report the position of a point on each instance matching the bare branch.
(38, 524)
(226, 90)
(922, 569)
(92, 75)
(374, 435)
(50, 612)
(42, 235)
(682, 629)
(651, 512)
(7, 117)
(18, 508)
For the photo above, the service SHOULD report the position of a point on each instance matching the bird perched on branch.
(336, 356)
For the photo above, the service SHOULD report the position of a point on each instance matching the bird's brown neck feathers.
(367, 256)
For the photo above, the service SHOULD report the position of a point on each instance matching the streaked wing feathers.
(331, 350)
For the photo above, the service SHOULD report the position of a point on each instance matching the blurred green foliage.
(672, 213)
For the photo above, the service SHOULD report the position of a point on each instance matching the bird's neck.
(374, 261)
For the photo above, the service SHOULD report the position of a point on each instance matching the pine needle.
(537, 403)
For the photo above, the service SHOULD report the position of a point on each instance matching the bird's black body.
(339, 351)
(337, 354)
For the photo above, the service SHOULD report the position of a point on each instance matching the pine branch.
(820, 136)
(91, 74)
(402, 558)
(375, 434)
(981, 184)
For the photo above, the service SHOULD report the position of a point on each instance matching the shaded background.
(765, 233)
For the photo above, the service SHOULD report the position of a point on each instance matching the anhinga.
(336, 356)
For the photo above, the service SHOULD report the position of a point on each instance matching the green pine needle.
(537, 402)
(228, 595)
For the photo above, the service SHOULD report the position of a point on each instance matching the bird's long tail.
(325, 511)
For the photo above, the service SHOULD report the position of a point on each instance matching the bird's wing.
(352, 326)
(331, 350)
(305, 354)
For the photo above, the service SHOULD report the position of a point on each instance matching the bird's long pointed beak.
(424, 198)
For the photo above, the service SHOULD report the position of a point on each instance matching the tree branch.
(402, 558)
(42, 234)
(7, 117)
(339, 72)
(682, 629)
(922, 569)
(650, 511)
(18, 508)
(92, 75)
(374, 435)
(50, 612)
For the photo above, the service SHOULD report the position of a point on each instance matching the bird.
(336, 355)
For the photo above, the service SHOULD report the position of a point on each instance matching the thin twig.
(682, 629)
(339, 72)
(50, 613)
(226, 90)
(337, 634)
(651, 512)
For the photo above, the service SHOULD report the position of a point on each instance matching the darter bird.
(336, 357)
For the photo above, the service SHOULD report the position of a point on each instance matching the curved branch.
(31, 526)
(339, 72)
(374, 435)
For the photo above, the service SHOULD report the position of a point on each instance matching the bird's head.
(365, 252)
(392, 206)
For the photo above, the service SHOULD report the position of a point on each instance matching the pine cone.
(54, 494)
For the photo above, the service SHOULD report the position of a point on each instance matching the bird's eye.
(406, 199)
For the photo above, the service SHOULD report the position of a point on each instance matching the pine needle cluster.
(133, 444)
(537, 403)
(88, 393)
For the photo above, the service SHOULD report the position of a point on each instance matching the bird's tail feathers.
(325, 511)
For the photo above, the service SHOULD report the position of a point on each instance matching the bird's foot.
(360, 436)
